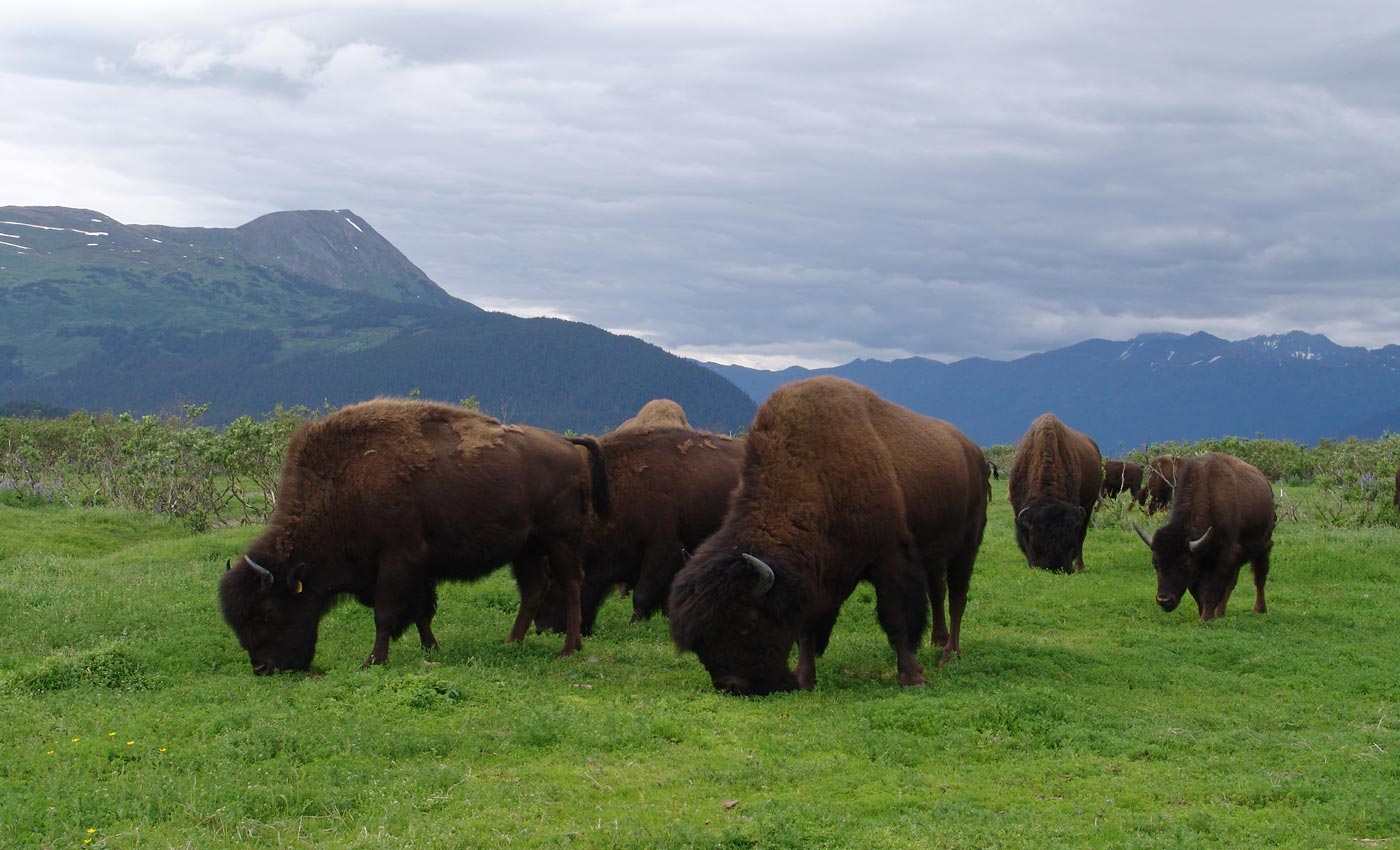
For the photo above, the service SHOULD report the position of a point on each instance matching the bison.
(659, 412)
(838, 486)
(1123, 476)
(385, 499)
(1055, 479)
(669, 491)
(1161, 474)
(1223, 516)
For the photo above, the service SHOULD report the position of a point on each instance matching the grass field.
(1078, 716)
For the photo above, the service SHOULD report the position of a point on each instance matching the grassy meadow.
(1078, 716)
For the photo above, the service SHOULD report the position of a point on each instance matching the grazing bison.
(669, 490)
(1123, 476)
(1223, 516)
(1161, 474)
(1055, 480)
(838, 486)
(657, 413)
(383, 500)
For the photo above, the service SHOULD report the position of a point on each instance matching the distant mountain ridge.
(297, 308)
(1153, 387)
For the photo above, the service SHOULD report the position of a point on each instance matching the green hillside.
(296, 308)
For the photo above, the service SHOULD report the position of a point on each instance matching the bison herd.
(749, 546)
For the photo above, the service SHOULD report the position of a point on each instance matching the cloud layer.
(765, 183)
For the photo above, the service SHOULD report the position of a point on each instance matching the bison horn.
(260, 570)
(1194, 544)
(1143, 535)
(765, 576)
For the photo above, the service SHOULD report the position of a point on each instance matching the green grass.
(1078, 716)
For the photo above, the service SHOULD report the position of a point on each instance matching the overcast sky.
(767, 183)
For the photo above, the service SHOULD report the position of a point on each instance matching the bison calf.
(1223, 516)
(383, 500)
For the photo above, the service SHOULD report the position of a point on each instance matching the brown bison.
(1223, 516)
(838, 486)
(1123, 476)
(657, 413)
(1161, 474)
(1055, 479)
(669, 490)
(383, 500)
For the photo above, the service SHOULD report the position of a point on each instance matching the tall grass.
(1078, 716)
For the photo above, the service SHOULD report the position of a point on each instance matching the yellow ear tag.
(298, 590)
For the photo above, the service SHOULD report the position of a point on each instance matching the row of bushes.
(170, 465)
(207, 477)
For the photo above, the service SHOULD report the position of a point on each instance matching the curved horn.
(1143, 535)
(1199, 540)
(765, 576)
(259, 569)
(1021, 512)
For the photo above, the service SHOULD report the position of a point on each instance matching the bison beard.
(838, 486)
(1223, 516)
(383, 500)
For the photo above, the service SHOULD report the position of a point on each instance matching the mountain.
(1154, 387)
(297, 308)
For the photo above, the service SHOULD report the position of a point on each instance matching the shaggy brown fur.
(1055, 480)
(1161, 474)
(839, 486)
(670, 489)
(383, 500)
(657, 413)
(1223, 517)
(1123, 476)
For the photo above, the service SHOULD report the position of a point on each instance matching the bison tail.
(597, 473)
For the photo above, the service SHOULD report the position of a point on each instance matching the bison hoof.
(372, 661)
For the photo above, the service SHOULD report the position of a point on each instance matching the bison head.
(1050, 534)
(739, 615)
(274, 615)
(1175, 551)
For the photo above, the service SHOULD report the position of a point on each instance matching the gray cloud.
(766, 182)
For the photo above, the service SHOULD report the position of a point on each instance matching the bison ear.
(295, 576)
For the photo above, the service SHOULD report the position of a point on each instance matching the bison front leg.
(901, 604)
(401, 596)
